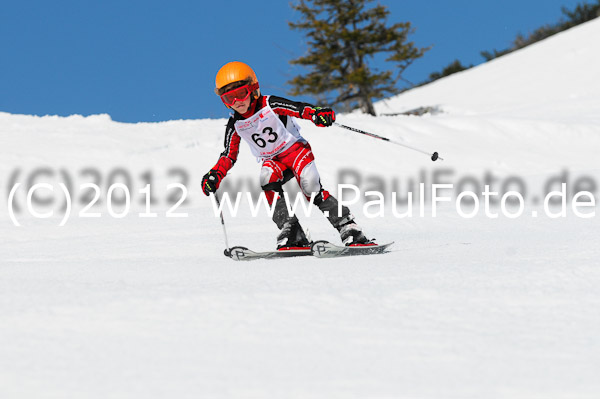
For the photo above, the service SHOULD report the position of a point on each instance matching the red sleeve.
(232, 148)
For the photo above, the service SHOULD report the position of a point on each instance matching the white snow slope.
(139, 307)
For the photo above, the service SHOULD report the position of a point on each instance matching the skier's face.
(241, 106)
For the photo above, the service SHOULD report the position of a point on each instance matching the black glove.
(211, 182)
(323, 117)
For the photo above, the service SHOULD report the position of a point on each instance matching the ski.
(325, 249)
(245, 254)
(319, 249)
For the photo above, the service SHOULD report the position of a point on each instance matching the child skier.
(267, 124)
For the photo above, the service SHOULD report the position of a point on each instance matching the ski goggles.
(238, 94)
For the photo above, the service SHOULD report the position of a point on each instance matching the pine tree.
(344, 36)
(582, 13)
(454, 67)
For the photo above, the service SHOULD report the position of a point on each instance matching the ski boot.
(292, 236)
(352, 235)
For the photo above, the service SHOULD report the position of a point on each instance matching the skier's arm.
(232, 148)
(212, 180)
(319, 116)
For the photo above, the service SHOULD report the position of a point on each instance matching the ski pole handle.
(434, 156)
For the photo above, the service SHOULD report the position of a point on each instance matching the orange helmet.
(235, 71)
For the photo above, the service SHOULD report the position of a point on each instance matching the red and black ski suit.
(297, 158)
(274, 138)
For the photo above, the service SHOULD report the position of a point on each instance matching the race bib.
(265, 133)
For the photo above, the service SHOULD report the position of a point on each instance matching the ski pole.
(434, 157)
(226, 252)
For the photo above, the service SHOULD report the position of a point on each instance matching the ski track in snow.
(494, 308)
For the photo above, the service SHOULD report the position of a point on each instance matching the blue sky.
(156, 60)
